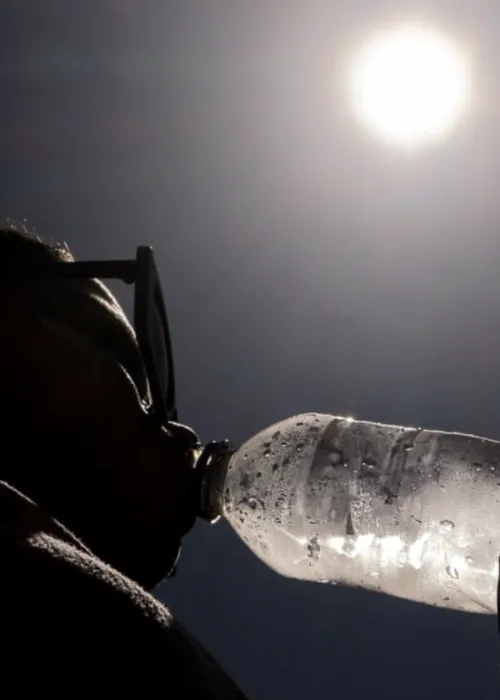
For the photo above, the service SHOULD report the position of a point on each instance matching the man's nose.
(184, 436)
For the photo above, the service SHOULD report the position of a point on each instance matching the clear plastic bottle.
(409, 512)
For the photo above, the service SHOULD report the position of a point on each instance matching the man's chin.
(163, 568)
(173, 569)
(149, 566)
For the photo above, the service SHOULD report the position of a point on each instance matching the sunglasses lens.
(152, 332)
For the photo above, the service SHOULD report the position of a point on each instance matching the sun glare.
(409, 84)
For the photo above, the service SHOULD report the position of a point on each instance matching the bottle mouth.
(210, 475)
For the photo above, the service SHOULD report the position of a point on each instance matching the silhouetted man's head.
(76, 434)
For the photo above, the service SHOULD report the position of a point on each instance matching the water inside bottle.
(407, 512)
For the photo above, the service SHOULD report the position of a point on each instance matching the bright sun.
(409, 84)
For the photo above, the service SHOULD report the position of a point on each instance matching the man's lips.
(183, 448)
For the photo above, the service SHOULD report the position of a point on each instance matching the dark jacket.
(71, 625)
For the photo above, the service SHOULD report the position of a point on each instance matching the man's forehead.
(109, 325)
(89, 307)
(96, 289)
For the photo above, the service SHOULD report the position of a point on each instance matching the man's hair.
(19, 245)
(76, 308)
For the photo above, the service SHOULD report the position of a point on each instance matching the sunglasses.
(150, 318)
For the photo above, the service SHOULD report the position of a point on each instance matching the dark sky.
(305, 266)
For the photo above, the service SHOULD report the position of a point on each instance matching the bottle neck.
(211, 469)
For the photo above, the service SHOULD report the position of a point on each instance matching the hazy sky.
(305, 265)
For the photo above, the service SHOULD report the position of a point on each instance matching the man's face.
(118, 480)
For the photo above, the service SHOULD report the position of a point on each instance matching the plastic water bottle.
(409, 512)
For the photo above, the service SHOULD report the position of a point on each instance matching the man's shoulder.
(42, 559)
(59, 603)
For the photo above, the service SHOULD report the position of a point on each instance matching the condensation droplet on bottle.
(336, 457)
(452, 572)
(368, 469)
(447, 525)
(279, 501)
(313, 548)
